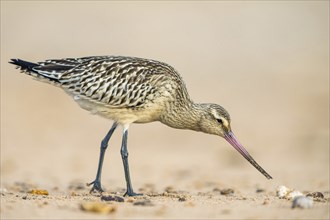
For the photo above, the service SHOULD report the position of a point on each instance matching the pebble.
(260, 190)
(143, 203)
(302, 202)
(39, 192)
(182, 199)
(98, 207)
(112, 198)
(315, 195)
(227, 191)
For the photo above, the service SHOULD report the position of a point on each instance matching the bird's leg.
(124, 156)
(104, 144)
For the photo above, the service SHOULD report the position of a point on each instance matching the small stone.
(227, 191)
(315, 195)
(98, 207)
(182, 199)
(169, 189)
(302, 202)
(143, 203)
(39, 192)
(112, 198)
(260, 190)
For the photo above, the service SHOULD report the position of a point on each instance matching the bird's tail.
(35, 70)
(24, 65)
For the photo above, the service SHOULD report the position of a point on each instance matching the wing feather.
(115, 81)
(119, 82)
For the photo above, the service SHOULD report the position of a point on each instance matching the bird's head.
(216, 120)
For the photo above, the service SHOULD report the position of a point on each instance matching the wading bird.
(133, 90)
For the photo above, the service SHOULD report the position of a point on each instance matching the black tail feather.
(24, 65)
(29, 68)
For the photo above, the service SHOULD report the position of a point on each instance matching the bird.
(131, 90)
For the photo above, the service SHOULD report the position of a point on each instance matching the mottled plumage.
(132, 90)
(106, 85)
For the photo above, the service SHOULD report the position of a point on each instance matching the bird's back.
(113, 82)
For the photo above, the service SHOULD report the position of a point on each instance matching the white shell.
(302, 202)
(282, 191)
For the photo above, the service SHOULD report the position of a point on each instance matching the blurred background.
(267, 63)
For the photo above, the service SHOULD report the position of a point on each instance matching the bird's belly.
(147, 114)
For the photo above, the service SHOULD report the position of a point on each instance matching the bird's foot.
(96, 187)
(131, 193)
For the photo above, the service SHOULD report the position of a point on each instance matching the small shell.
(285, 193)
(302, 202)
(282, 191)
(293, 194)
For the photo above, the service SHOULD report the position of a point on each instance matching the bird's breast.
(148, 113)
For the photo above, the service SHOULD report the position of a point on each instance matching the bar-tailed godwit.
(133, 90)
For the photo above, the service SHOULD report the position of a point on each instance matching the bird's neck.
(184, 116)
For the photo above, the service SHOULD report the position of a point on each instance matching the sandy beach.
(267, 63)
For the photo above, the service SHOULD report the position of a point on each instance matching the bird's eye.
(220, 120)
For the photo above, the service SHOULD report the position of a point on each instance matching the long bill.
(230, 137)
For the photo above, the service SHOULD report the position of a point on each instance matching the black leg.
(104, 144)
(124, 156)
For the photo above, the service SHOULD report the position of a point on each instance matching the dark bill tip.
(230, 137)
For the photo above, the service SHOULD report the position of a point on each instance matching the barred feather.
(119, 82)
